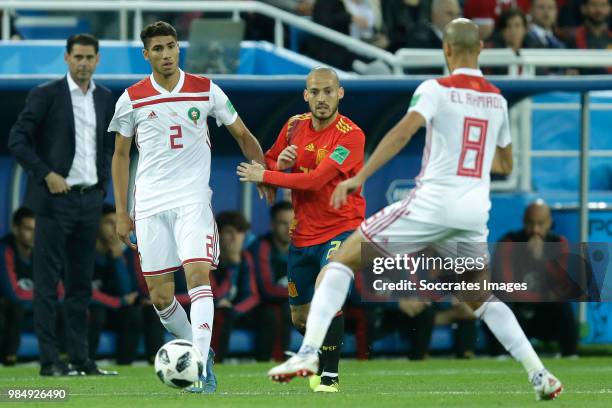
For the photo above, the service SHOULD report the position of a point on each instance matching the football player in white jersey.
(467, 138)
(173, 221)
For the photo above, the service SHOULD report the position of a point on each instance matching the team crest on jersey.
(321, 153)
(292, 289)
(194, 115)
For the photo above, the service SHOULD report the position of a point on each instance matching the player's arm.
(248, 143)
(313, 180)
(391, 144)
(251, 150)
(277, 154)
(346, 155)
(121, 173)
(502, 161)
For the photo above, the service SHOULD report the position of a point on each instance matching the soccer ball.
(179, 364)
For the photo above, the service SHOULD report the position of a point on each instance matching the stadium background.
(267, 89)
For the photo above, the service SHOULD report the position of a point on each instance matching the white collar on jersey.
(467, 71)
(163, 90)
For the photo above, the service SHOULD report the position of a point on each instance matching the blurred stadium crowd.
(250, 284)
(396, 24)
(250, 287)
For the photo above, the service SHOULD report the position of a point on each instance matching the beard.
(332, 111)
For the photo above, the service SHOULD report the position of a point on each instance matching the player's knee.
(349, 253)
(161, 302)
(474, 305)
(198, 279)
(160, 298)
(197, 275)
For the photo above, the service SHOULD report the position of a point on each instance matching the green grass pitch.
(378, 383)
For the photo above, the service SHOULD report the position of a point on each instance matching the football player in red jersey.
(467, 138)
(321, 148)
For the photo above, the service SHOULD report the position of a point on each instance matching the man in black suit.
(429, 35)
(60, 139)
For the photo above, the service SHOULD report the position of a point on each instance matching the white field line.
(604, 391)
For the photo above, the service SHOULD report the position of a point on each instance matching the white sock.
(202, 314)
(175, 320)
(327, 300)
(502, 322)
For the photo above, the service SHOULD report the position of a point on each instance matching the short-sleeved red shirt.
(341, 145)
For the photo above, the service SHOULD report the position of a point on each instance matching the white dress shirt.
(83, 170)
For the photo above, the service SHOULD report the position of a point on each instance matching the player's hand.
(267, 191)
(130, 298)
(56, 183)
(286, 159)
(343, 189)
(125, 225)
(250, 172)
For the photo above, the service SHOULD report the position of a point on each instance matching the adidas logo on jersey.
(152, 115)
(310, 147)
(204, 326)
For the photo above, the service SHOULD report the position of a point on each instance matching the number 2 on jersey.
(174, 144)
(472, 148)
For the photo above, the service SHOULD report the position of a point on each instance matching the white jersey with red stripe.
(467, 118)
(172, 138)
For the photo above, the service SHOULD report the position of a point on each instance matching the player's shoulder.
(345, 125)
(141, 90)
(300, 117)
(471, 82)
(296, 120)
(195, 84)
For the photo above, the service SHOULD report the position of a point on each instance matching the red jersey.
(324, 159)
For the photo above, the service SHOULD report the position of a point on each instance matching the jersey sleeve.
(279, 145)
(504, 138)
(426, 99)
(222, 109)
(123, 120)
(349, 152)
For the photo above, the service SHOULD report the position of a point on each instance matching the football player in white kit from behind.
(467, 138)
(166, 114)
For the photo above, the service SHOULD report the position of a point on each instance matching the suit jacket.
(43, 138)
(424, 36)
(533, 40)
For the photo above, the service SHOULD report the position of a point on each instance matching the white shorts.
(172, 238)
(394, 230)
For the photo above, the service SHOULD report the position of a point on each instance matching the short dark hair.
(509, 14)
(232, 219)
(21, 214)
(82, 39)
(278, 207)
(156, 29)
(107, 209)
